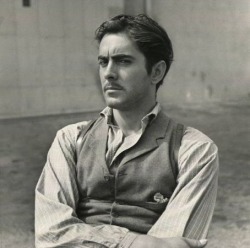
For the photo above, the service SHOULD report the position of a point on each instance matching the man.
(114, 182)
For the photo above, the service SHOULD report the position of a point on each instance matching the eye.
(103, 62)
(124, 61)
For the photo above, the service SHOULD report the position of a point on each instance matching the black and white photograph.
(124, 124)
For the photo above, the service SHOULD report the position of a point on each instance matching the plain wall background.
(48, 55)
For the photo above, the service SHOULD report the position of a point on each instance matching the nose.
(110, 71)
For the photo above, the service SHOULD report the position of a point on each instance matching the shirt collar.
(146, 120)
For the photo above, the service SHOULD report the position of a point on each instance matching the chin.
(116, 105)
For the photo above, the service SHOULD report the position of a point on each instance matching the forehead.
(119, 43)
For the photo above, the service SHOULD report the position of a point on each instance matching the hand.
(179, 242)
(146, 241)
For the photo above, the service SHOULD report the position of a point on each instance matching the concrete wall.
(212, 52)
(48, 57)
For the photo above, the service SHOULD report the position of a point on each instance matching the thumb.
(196, 243)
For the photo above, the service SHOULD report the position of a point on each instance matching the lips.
(112, 87)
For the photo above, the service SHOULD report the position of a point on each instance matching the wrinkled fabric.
(188, 213)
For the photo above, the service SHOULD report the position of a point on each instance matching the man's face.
(125, 81)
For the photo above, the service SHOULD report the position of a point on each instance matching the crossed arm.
(188, 213)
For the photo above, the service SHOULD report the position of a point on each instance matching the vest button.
(106, 178)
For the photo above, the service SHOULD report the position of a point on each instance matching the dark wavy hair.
(151, 39)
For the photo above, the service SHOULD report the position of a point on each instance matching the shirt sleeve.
(56, 199)
(190, 208)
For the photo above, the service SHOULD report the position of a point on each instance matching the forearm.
(56, 225)
(146, 241)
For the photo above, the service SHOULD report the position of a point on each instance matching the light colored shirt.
(188, 212)
(117, 141)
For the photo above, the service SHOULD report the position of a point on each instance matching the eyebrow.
(117, 56)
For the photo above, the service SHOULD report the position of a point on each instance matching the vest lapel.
(98, 141)
(150, 138)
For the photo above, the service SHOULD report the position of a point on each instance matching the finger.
(203, 242)
(196, 243)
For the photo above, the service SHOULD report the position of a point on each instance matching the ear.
(158, 72)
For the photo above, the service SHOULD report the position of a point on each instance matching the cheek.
(101, 75)
(138, 78)
(134, 74)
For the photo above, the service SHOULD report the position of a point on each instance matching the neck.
(129, 121)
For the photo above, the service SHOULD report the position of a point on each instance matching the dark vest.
(126, 198)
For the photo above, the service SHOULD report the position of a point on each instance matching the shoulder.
(196, 148)
(194, 139)
(192, 135)
(71, 132)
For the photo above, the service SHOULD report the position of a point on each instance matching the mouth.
(112, 88)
